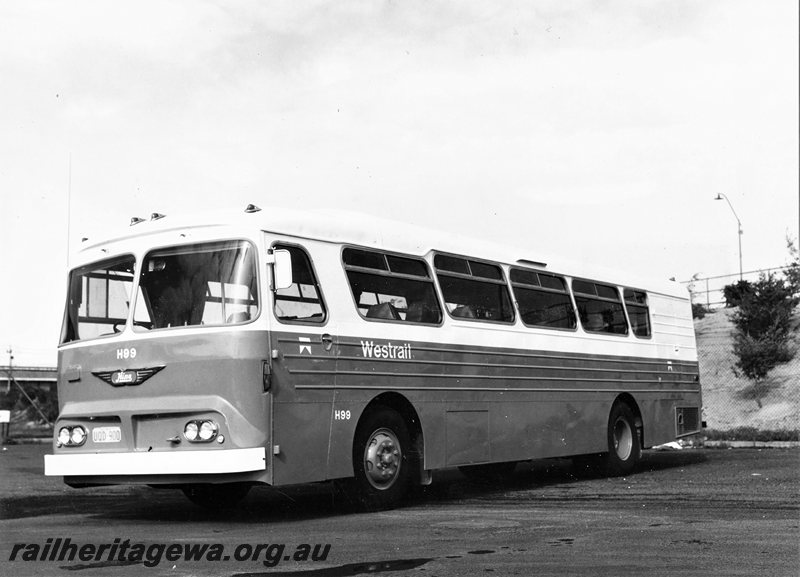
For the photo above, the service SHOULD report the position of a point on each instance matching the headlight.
(208, 430)
(64, 436)
(78, 436)
(190, 431)
(200, 431)
(71, 436)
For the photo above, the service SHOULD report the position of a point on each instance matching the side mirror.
(281, 269)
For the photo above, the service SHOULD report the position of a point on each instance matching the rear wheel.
(380, 459)
(624, 442)
(216, 497)
(624, 447)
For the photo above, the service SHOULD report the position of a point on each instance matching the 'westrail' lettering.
(387, 351)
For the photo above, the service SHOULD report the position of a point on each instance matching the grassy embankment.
(735, 408)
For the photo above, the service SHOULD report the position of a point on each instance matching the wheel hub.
(382, 459)
(623, 439)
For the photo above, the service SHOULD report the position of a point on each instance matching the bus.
(212, 353)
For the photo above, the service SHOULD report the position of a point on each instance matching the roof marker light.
(532, 262)
(157, 216)
(251, 208)
(136, 220)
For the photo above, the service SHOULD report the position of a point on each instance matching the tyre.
(381, 461)
(624, 441)
(216, 497)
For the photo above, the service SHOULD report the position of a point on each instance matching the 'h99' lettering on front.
(126, 353)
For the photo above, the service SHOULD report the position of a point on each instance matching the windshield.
(203, 284)
(99, 299)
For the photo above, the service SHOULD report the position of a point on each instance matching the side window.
(638, 311)
(543, 300)
(301, 302)
(473, 290)
(599, 308)
(391, 288)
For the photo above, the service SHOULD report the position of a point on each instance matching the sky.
(600, 130)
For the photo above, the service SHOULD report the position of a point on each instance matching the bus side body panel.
(482, 392)
(477, 404)
(485, 404)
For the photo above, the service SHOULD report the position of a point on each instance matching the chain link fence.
(731, 400)
(709, 291)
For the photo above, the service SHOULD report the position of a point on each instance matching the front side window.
(543, 299)
(473, 290)
(301, 302)
(599, 308)
(99, 299)
(202, 284)
(391, 287)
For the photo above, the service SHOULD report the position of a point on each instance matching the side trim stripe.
(689, 368)
(485, 377)
(498, 390)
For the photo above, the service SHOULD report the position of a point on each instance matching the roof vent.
(136, 220)
(251, 208)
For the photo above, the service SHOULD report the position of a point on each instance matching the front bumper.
(156, 463)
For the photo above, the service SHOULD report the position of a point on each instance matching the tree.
(763, 325)
(734, 293)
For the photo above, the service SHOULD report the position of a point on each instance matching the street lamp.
(721, 196)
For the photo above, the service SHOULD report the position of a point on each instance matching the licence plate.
(106, 435)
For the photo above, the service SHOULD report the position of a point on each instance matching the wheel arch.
(400, 404)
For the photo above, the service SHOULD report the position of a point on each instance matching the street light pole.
(721, 196)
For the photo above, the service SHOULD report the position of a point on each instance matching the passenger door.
(303, 373)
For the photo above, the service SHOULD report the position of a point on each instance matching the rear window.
(638, 311)
(599, 307)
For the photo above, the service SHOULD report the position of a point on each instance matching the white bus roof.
(348, 227)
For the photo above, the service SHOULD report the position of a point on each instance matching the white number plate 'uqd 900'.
(106, 435)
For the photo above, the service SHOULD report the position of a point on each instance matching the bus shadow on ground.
(312, 501)
(543, 474)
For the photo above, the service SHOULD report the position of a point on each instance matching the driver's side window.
(302, 302)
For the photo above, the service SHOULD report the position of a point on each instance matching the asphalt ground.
(691, 512)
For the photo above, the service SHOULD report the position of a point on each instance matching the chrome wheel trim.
(382, 459)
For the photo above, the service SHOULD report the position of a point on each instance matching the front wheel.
(380, 459)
